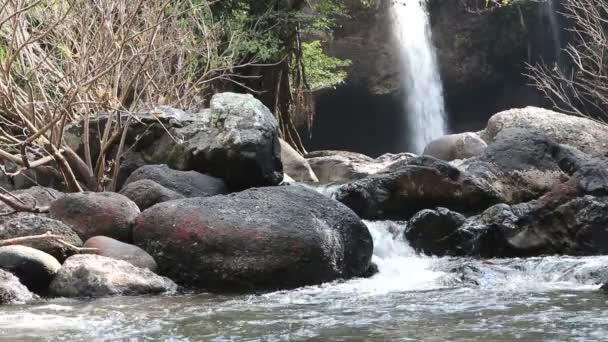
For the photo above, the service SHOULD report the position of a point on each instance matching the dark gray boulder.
(186, 183)
(259, 239)
(236, 139)
(12, 291)
(115, 249)
(37, 225)
(146, 193)
(435, 232)
(34, 268)
(406, 187)
(87, 275)
(96, 213)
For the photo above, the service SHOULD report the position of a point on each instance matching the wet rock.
(89, 275)
(37, 225)
(295, 165)
(12, 291)
(259, 239)
(342, 166)
(407, 187)
(34, 268)
(435, 232)
(90, 214)
(146, 193)
(456, 146)
(115, 249)
(583, 134)
(186, 183)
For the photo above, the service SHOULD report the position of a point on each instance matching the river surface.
(411, 298)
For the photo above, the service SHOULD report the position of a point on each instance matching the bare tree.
(582, 88)
(62, 61)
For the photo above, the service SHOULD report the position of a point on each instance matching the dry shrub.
(66, 60)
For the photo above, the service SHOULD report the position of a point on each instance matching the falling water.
(550, 11)
(420, 74)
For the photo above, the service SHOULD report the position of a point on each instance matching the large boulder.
(12, 291)
(295, 165)
(343, 167)
(89, 275)
(96, 213)
(583, 134)
(186, 183)
(433, 232)
(37, 225)
(146, 193)
(405, 188)
(34, 268)
(456, 146)
(570, 219)
(260, 239)
(522, 164)
(236, 139)
(115, 249)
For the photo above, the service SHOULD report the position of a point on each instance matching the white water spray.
(554, 25)
(424, 103)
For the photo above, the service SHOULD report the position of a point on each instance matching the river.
(412, 298)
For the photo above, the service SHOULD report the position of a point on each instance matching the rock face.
(405, 188)
(236, 139)
(34, 268)
(90, 214)
(36, 225)
(260, 239)
(115, 249)
(342, 167)
(583, 134)
(456, 146)
(89, 275)
(186, 183)
(12, 291)
(146, 193)
(295, 165)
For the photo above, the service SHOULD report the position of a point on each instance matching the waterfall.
(555, 28)
(424, 105)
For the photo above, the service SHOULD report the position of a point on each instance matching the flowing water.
(550, 11)
(424, 104)
(411, 298)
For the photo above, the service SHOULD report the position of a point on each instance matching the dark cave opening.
(353, 119)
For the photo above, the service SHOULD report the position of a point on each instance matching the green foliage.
(322, 71)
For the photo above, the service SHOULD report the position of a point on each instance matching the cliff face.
(482, 56)
(474, 49)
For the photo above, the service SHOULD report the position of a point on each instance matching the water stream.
(423, 102)
(413, 297)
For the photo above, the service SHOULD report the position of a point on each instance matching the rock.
(12, 291)
(236, 139)
(185, 183)
(521, 164)
(88, 275)
(586, 135)
(407, 187)
(343, 167)
(91, 214)
(36, 196)
(45, 175)
(434, 232)
(37, 225)
(259, 239)
(115, 249)
(456, 146)
(34, 268)
(295, 165)
(146, 193)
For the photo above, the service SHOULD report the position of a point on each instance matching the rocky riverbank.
(205, 203)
